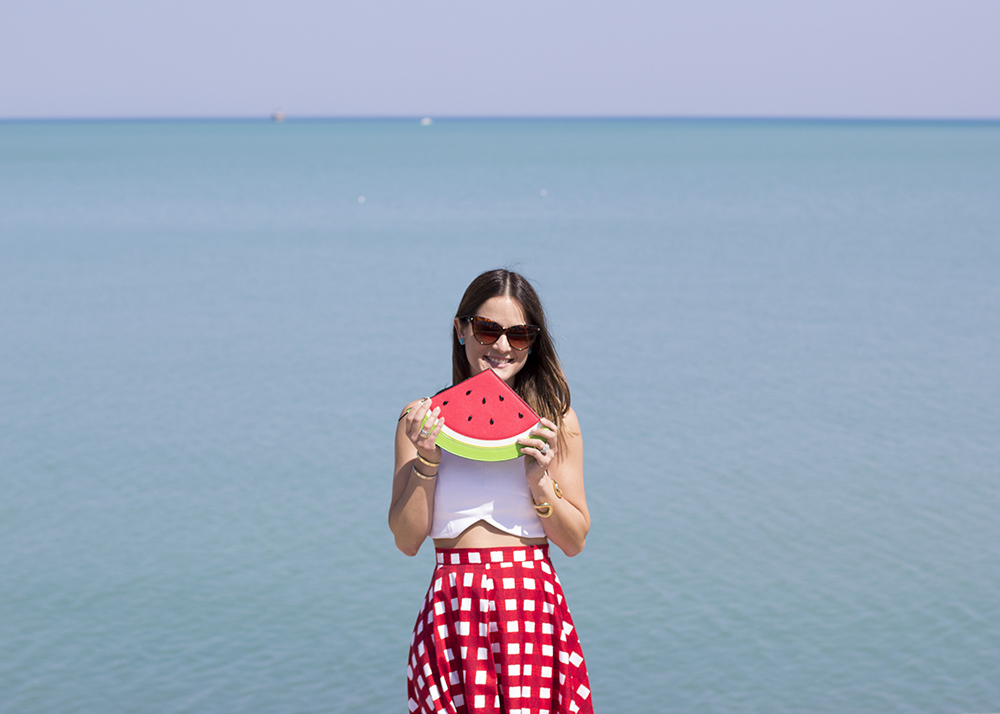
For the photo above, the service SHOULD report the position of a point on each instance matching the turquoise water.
(782, 340)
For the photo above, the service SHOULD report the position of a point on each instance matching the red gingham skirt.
(494, 635)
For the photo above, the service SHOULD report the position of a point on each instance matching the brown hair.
(541, 382)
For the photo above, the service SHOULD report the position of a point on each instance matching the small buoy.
(361, 199)
(426, 121)
(544, 192)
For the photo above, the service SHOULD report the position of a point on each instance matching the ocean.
(782, 340)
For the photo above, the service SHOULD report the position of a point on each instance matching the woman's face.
(500, 356)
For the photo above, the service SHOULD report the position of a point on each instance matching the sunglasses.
(486, 332)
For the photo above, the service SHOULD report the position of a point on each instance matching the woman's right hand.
(424, 436)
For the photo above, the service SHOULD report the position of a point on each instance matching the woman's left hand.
(541, 444)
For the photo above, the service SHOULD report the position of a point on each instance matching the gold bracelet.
(544, 510)
(425, 462)
(555, 486)
(425, 477)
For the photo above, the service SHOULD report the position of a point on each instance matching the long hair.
(541, 382)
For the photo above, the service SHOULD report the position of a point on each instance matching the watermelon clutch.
(484, 418)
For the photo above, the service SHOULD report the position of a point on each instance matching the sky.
(346, 58)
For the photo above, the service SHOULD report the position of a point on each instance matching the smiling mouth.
(497, 361)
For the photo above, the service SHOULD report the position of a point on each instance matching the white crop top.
(469, 491)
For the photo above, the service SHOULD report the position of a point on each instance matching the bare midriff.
(484, 535)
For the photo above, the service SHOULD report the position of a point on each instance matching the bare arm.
(569, 523)
(412, 510)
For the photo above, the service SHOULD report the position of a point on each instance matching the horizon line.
(285, 117)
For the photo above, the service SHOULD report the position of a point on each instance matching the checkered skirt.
(495, 636)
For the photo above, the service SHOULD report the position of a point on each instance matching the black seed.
(470, 418)
(468, 393)
(520, 415)
(491, 421)
(484, 400)
(501, 397)
(444, 402)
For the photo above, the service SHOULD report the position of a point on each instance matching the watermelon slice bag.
(484, 418)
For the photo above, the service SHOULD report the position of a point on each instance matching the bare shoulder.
(571, 423)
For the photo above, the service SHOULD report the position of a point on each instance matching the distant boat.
(278, 116)
(426, 121)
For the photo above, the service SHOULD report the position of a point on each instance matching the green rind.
(477, 452)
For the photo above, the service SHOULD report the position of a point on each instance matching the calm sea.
(783, 344)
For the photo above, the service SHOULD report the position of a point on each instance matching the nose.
(502, 344)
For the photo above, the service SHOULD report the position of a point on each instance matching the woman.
(494, 634)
